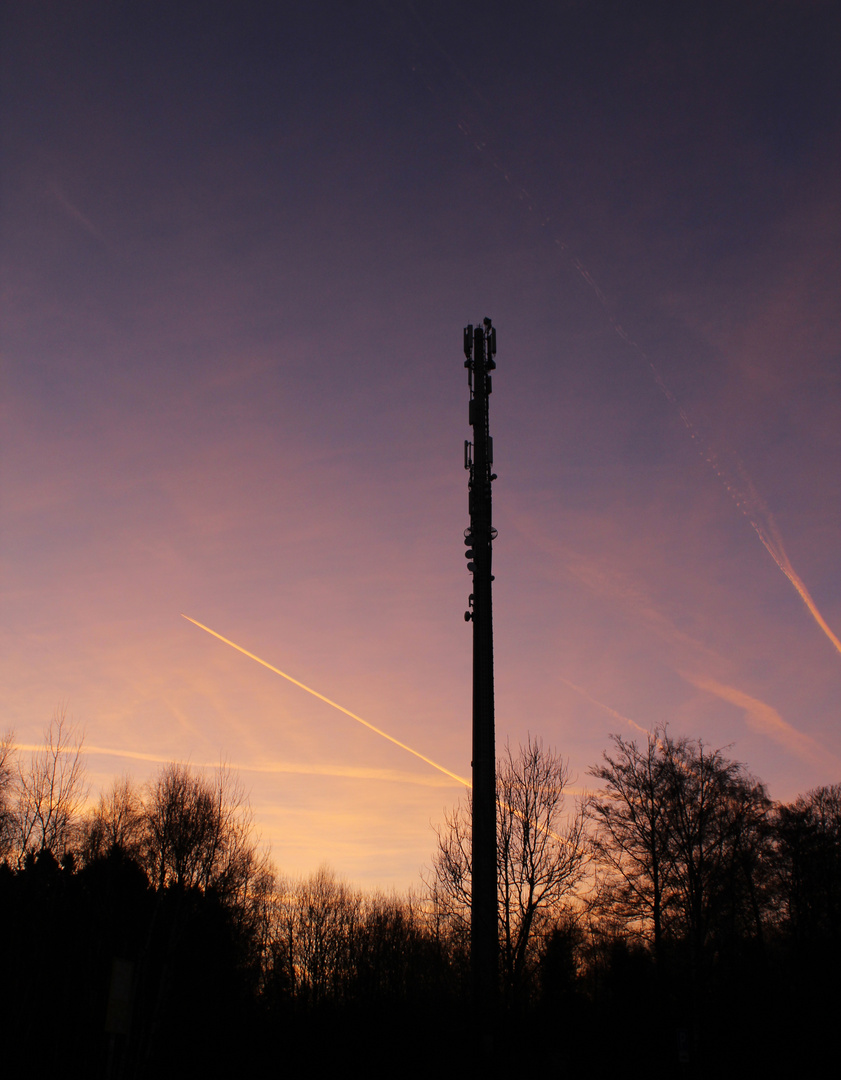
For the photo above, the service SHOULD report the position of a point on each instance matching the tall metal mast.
(479, 351)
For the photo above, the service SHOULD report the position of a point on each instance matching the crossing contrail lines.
(359, 720)
(335, 705)
(480, 134)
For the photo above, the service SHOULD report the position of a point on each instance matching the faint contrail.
(607, 708)
(273, 768)
(747, 498)
(751, 504)
(75, 212)
(321, 697)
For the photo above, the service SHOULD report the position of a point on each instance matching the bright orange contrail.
(353, 716)
(321, 697)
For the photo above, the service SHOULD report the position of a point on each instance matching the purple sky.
(239, 245)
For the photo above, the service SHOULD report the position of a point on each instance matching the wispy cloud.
(273, 768)
(765, 720)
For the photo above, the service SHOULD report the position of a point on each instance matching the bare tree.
(199, 833)
(630, 839)
(680, 836)
(319, 921)
(808, 833)
(116, 823)
(541, 855)
(396, 956)
(51, 791)
(7, 784)
(333, 945)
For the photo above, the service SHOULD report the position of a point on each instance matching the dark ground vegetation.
(151, 938)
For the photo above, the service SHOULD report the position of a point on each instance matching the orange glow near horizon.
(353, 716)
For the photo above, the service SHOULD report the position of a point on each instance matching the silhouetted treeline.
(150, 935)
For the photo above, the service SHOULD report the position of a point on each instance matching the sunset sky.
(239, 246)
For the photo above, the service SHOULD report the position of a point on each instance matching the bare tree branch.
(51, 791)
(541, 855)
(7, 790)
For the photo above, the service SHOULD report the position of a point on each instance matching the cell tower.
(479, 351)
